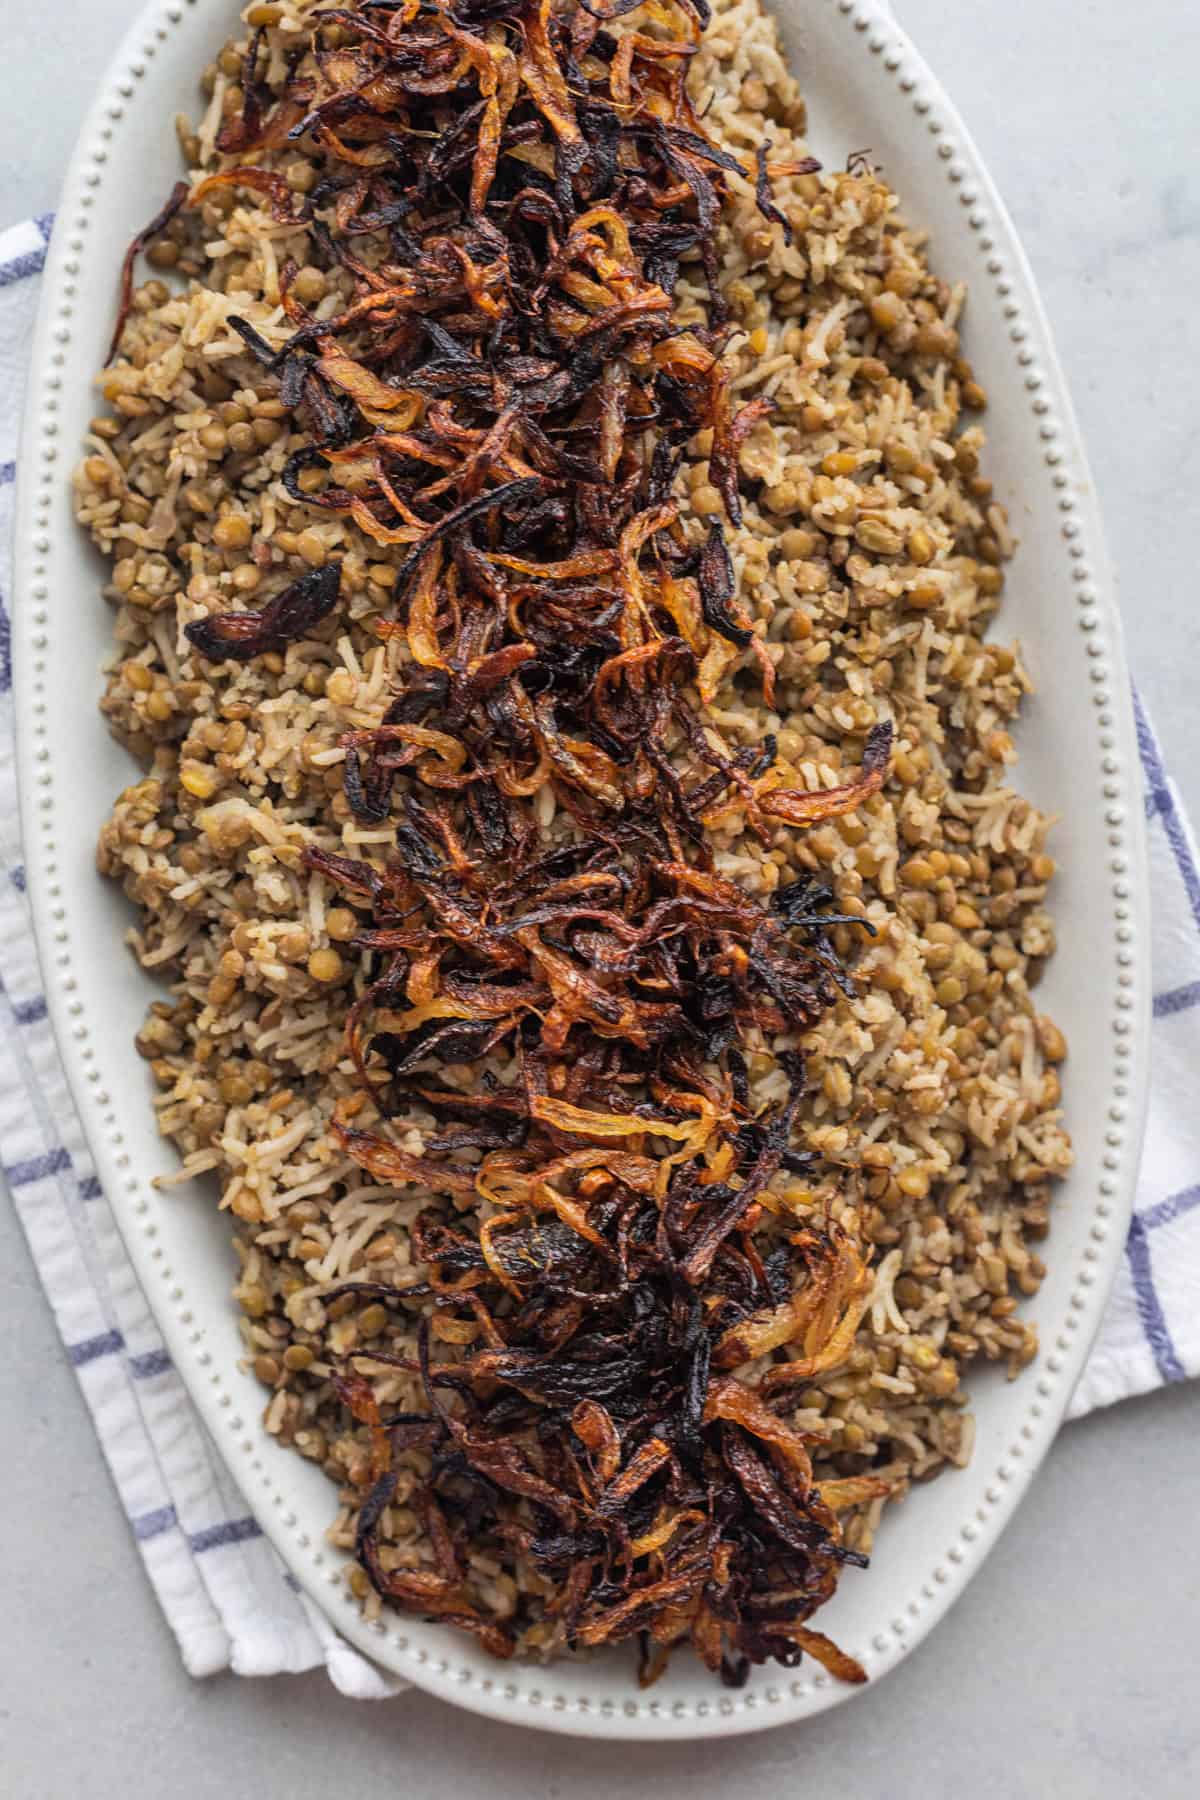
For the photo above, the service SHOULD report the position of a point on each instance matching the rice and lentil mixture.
(871, 560)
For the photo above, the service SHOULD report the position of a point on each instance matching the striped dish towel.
(218, 1581)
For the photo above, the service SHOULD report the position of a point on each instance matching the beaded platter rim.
(557, 1697)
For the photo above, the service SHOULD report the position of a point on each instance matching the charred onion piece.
(811, 809)
(292, 614)
(159, 222)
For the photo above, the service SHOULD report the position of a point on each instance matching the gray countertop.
(1072, 1664)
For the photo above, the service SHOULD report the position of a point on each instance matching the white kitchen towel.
(219, 1582)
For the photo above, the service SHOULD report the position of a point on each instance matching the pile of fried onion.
(616, 1310)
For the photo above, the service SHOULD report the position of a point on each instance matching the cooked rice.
(871, 556)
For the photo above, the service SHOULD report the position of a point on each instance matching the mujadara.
(598, 936)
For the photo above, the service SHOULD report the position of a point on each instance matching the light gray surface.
(1072, 1665)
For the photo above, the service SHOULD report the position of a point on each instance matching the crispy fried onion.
(618, 1307)
(589, 1435)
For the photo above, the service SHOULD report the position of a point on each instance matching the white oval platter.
(865, 84)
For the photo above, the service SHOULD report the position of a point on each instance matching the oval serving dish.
(864, 83)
